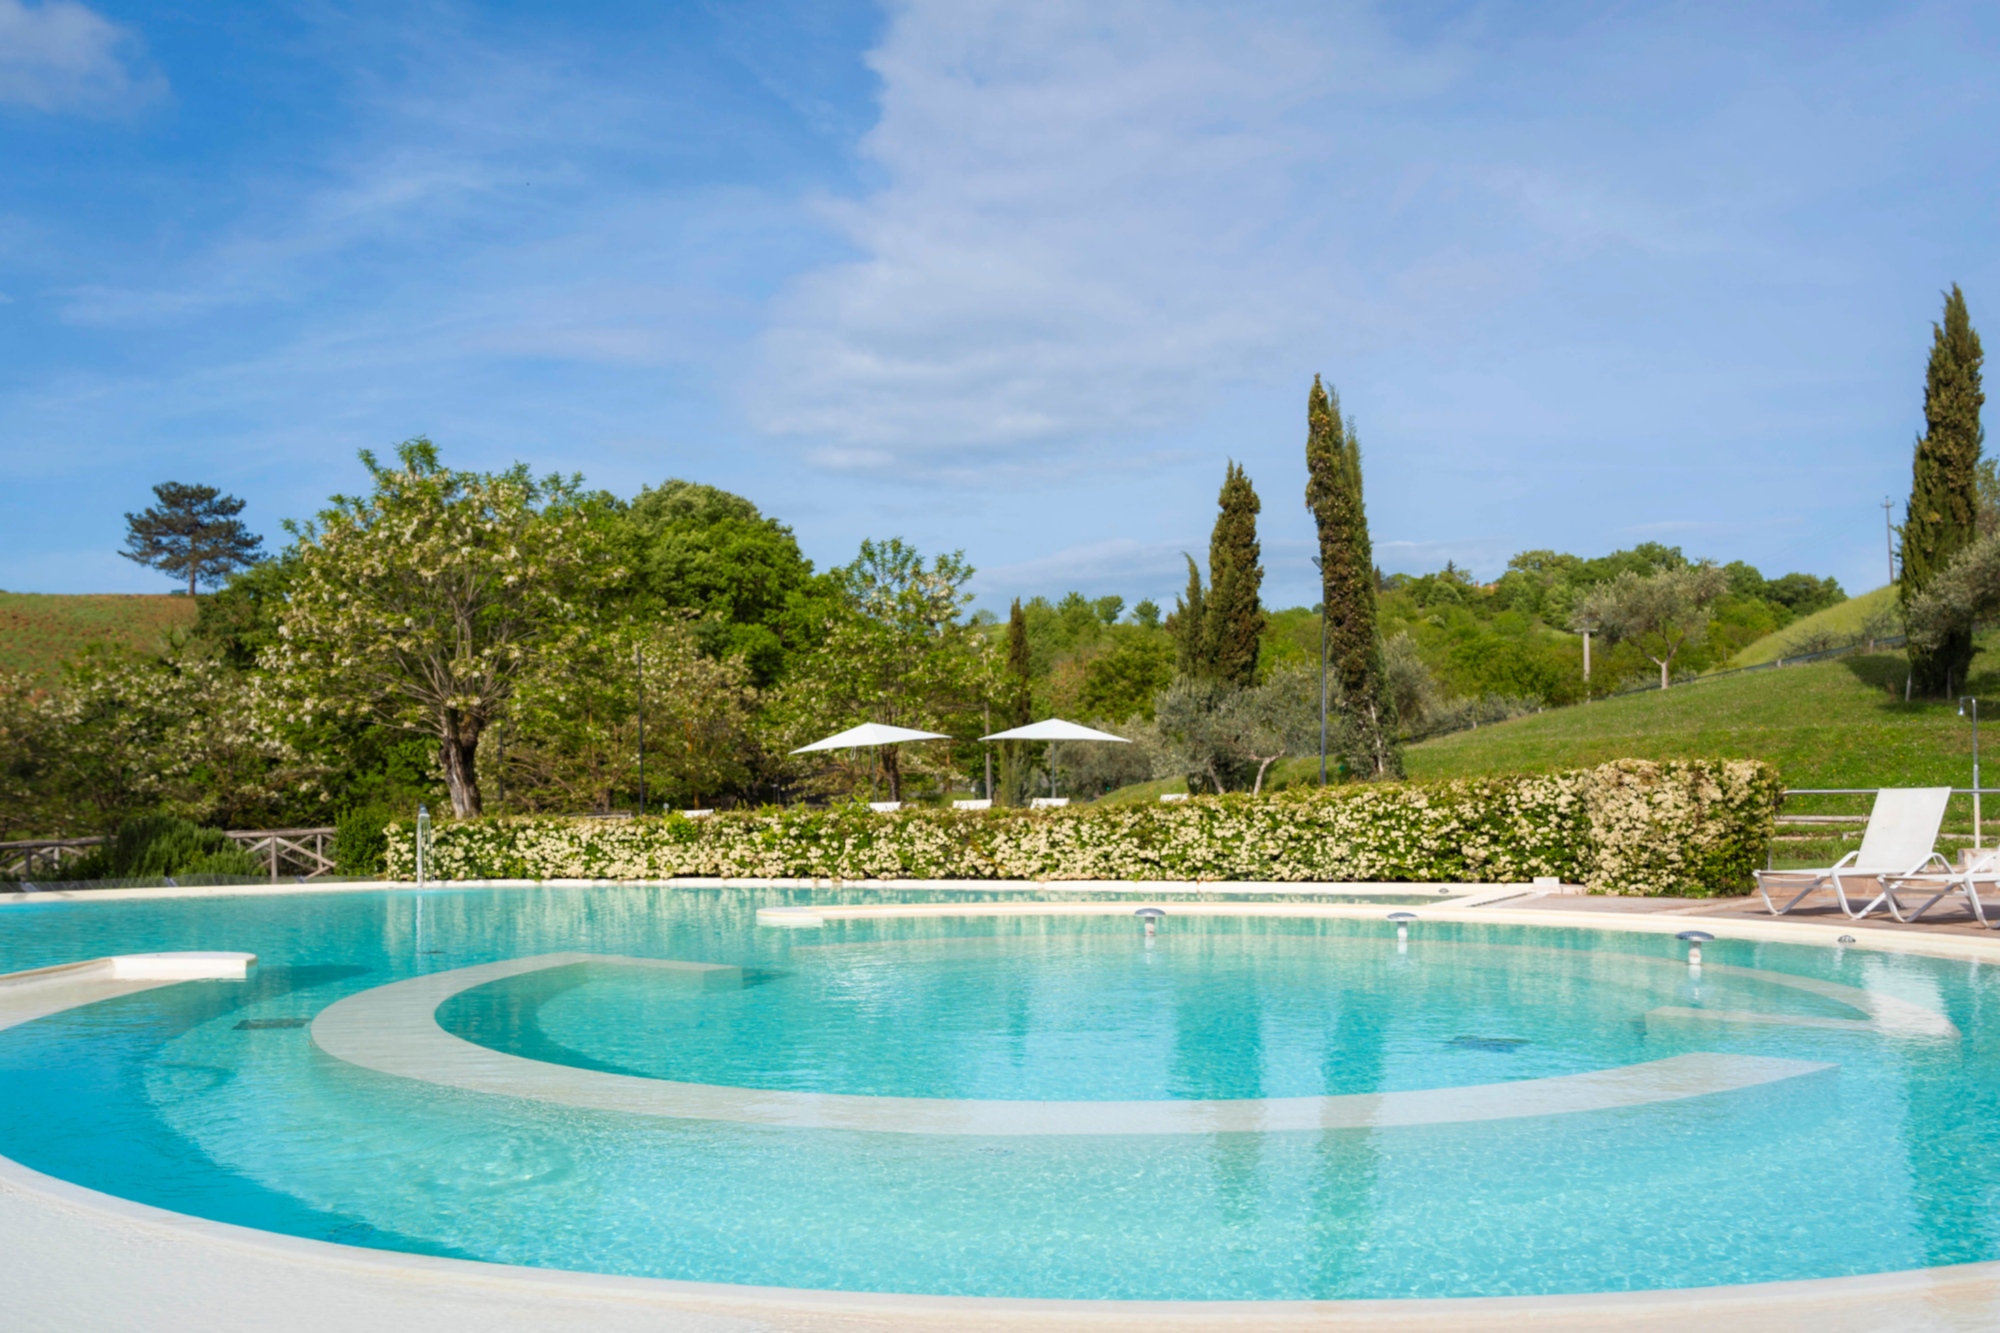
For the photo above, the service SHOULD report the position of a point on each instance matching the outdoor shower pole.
(639, 663)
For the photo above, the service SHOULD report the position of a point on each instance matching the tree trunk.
(1665, 680)
(892, 767)
(1262, 765)
(190, 583)
(459, 752)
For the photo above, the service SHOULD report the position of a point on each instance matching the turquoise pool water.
(211, 1098)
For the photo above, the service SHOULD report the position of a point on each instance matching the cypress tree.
(1189, 626)
(1234, 614)
(1347, 571)
(1017, 703)
(1942, 518)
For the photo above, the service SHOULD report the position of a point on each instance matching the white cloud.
(62, 56)
(1086, 222)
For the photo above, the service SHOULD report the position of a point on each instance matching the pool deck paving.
(76, 1259)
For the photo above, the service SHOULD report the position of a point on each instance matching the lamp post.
(1973, 703)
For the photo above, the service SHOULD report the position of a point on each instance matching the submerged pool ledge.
(393, 1029)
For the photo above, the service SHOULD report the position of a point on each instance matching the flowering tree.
(419, 606)
(120, 734)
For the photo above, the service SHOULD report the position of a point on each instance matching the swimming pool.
(1252, 1108)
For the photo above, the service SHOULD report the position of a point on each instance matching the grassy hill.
(1827, 724)
(1842, 623)
(39, 630)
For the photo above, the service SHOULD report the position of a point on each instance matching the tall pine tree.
(1347, 572)
(1942, 518)
(1234, 614)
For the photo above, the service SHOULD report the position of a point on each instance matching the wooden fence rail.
(284, 851)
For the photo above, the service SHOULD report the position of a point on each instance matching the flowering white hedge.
(1633, 827)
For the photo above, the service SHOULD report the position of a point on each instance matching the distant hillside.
(1836, 626)
(39, 630)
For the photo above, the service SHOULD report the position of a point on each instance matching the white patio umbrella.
(1054, 729)
(870, 733)
(875, 735)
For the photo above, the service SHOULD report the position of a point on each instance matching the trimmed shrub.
(1631, 827)
(159, 846)
(359, 841)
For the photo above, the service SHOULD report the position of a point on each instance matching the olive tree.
(1964, 592)
(1657, 613)
(419, 606)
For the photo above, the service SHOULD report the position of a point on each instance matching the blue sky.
(1012, 278)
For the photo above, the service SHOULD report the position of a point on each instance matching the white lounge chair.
(1980, 868)
(1900, 844)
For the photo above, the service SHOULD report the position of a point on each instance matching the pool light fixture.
(1402, 920)
(1695, 939)
(1151, 916)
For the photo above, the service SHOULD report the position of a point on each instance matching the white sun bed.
(1979, 868)
(1900, 845)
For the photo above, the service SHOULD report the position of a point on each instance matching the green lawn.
(39, 630)
(1844, 622)
(1828, 724)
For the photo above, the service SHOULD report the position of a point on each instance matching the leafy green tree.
(421, 605)
(1120, 683)
(1234, 611)
(1943, 514)
(571, 738)
(700, 549)
(1147, 613)
(1659, 614)
(1348, 588)
(192, 533)
(894, 651)
(1802, 594)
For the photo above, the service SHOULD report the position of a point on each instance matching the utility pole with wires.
(1889, 535)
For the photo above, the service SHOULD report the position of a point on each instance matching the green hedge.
(1632, 827)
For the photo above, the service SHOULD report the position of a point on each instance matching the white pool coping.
(81, 1259)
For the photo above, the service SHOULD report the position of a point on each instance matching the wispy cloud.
(1084, 226)
(60, 56)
